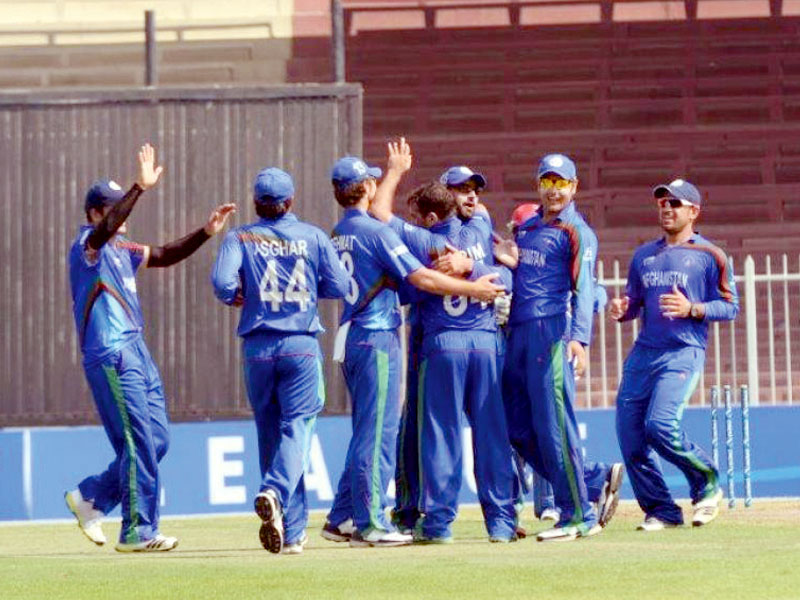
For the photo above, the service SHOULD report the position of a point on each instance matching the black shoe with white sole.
(268, 508)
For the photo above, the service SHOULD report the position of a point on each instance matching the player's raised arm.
(108, 208)
(176, 251)
(398, 163)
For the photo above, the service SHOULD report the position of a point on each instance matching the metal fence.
(212, 142)
(756, 349)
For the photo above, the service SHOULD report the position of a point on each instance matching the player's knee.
(658, 433)
(162, 445)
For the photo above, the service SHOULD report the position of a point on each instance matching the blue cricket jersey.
(453, 312)
(281, 267)
(377, 262)
(555, 274)
(702, 273)
(104, 299)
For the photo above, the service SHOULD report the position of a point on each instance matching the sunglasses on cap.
(672, 202)
(560, 184)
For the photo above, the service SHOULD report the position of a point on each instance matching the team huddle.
(498, 331)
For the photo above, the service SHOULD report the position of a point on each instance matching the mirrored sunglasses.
(559, 184)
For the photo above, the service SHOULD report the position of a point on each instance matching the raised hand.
(618, 307)
(148, 171)
(400, 158)
(218, 218)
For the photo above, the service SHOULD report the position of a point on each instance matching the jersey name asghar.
(105, 304)
(377, 262)
(700, 270)
(289, 263)
(555, 274)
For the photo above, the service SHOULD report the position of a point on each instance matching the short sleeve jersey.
(281, 267)
(105, 304)
(377, 262)
(700, 270)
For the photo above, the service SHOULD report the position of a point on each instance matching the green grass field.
(752, 553)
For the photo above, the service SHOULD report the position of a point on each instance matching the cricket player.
(465, 186)
(550, 325)
(377, 262)
(277, 269)
(678, 284)
(458, 374)
(122, 376)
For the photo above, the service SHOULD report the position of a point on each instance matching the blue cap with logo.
(350, 170)
(558, 164)
(103, 192)
(678, 188)
(455, 176)
(272, 186)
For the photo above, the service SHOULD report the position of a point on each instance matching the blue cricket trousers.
(130, 401)
(407, 473)
(283, 374)
(459, 375)
(372, 372)
(656, 386)
(538, 388)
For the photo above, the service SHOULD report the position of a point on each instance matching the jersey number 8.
(352, 290)
(455, 306)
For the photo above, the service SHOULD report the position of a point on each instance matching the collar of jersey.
(449, 224)
(285, 218)
(355, 212)
(566, 214)
(692, 240)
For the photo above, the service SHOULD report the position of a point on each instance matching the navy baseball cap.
(350, 170)
(678, 188)
(272, 186)
(558, 164)
(457, 175)
(103, 192)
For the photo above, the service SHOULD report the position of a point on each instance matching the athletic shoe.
(569, 533)
(160, 543)
(424, 539)
(550, 514)
(520, 532)
(268, 507)
(340, 533)
(558, 534)
(502, 539)
(610, 498)
(297, 547)
(89, 518)
(655, 524)
(378, 538)
(707, 509)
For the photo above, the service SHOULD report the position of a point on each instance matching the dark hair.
(350, 195)
(433, 197)
(268, 210)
